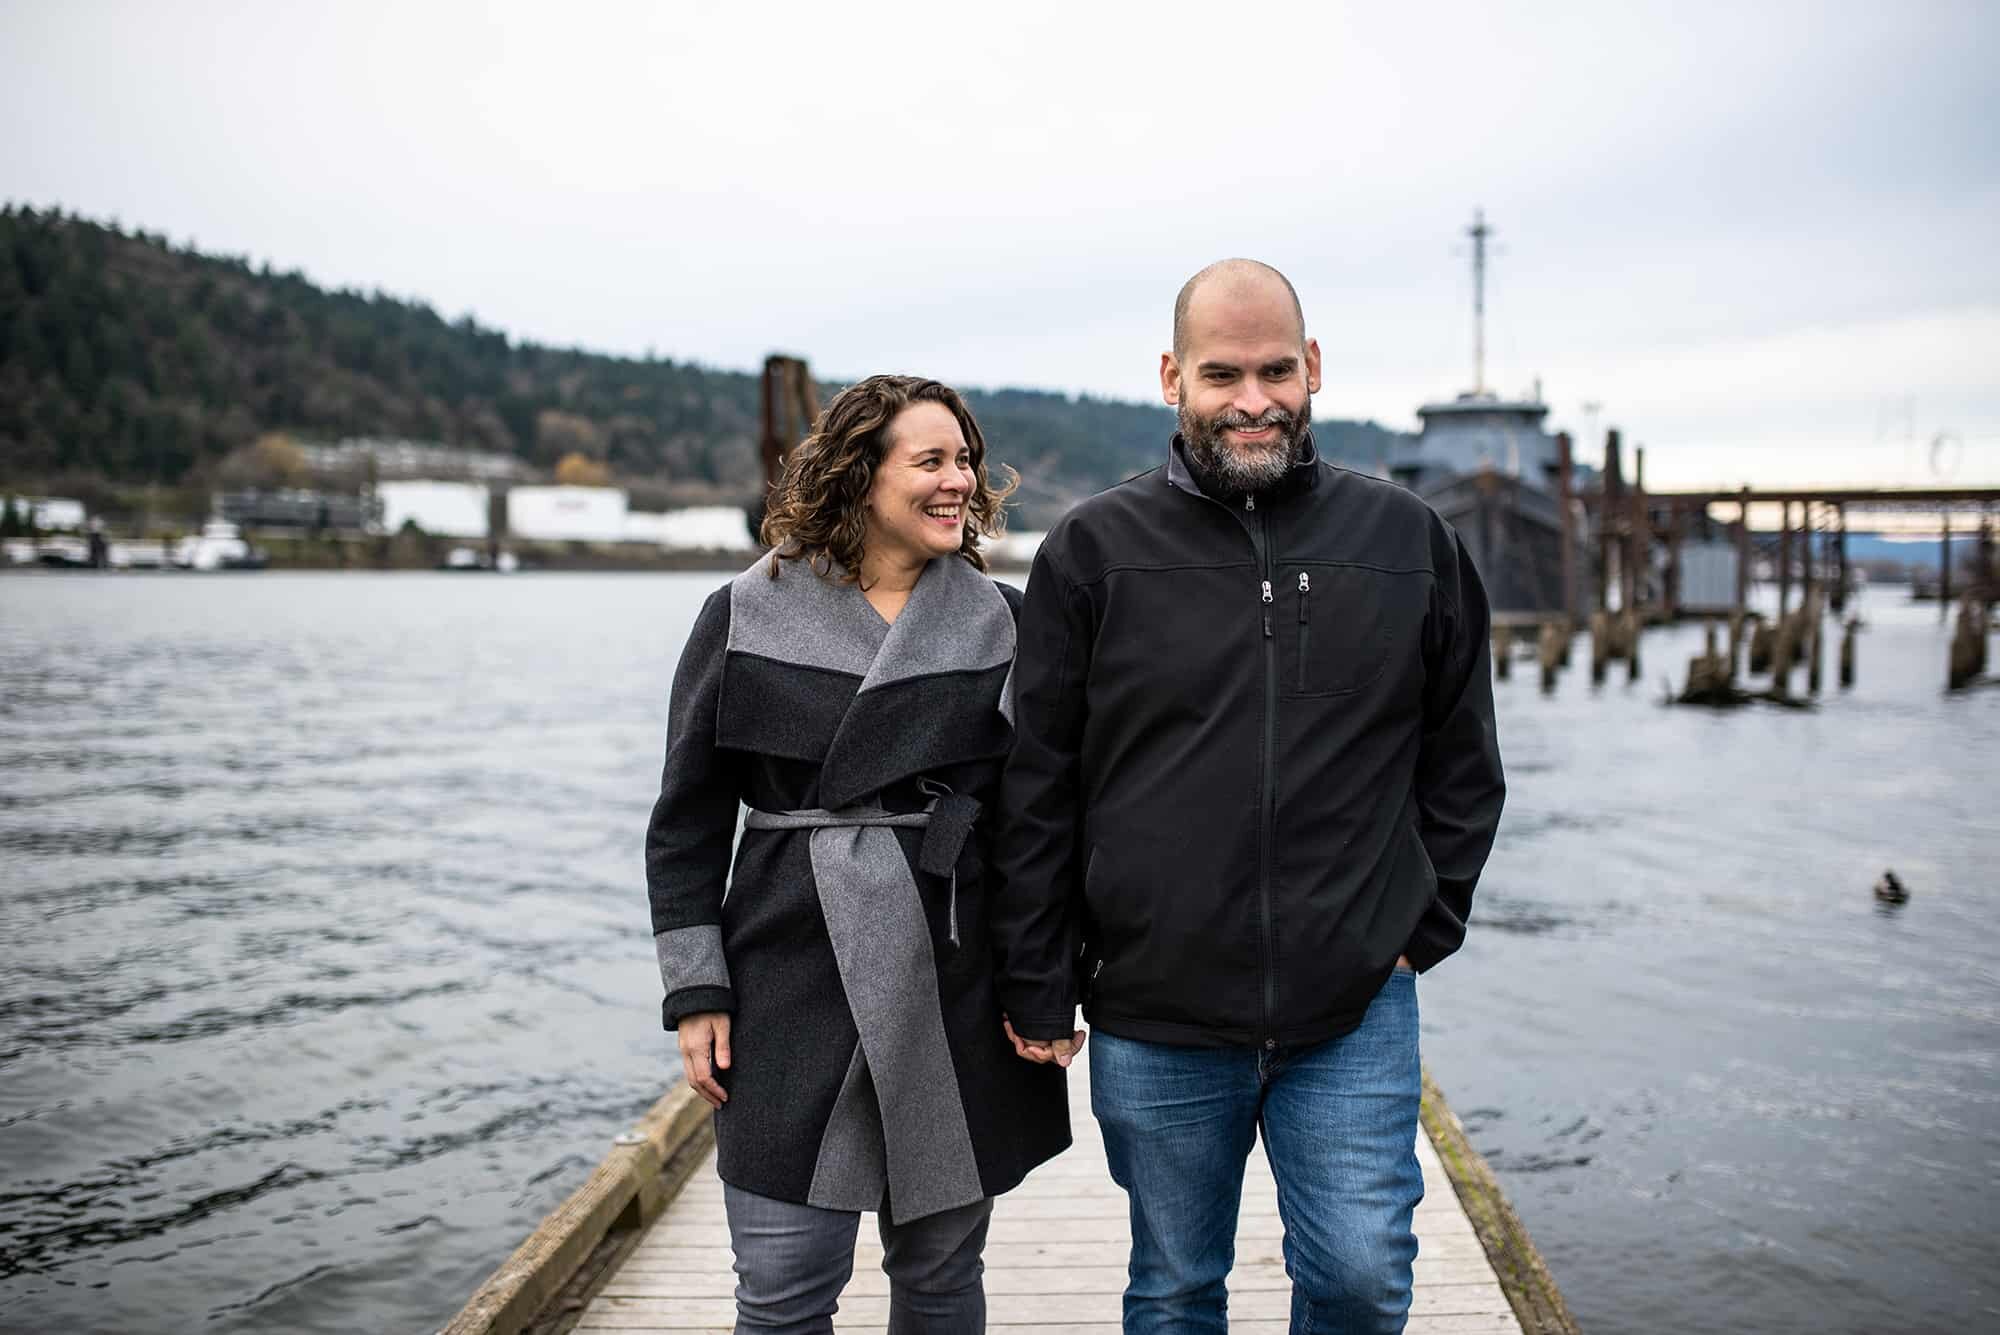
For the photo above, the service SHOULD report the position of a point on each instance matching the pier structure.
(1628, 564)
(1639, 536)
(644, 1246)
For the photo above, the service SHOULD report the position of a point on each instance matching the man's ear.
(1312, 366)
(1170, 380)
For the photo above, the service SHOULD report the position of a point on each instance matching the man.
(1253, 784)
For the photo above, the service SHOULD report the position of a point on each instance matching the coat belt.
(946, 821)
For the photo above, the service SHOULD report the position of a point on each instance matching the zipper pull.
(1267, 609)
(1249, 502)
(1305, 587)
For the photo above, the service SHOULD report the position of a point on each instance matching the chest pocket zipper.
(1305, 628)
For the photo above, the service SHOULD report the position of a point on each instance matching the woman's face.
(916, 507)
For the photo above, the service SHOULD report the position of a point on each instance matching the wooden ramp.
(1055, 1259)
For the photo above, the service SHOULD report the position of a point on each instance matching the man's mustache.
(1237, 421)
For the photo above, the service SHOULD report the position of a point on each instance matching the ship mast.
(1479, 231)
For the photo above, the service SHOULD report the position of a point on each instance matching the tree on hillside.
(268, 463)
(578, 470)
(134, 362)
(559, 433)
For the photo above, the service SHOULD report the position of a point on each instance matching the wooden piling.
(1944, 570)
(1847, 652)
(1763, 645)
(1808, 576)
(1815, 626)
(1600, 645)
(1735, 641)
(1968, 644)
(1608, 518)
(1784, 650)
(1984, 587)
(1784, 558)
(1629, 635)
(1842, 575)
(1672, 590)
(1551, 651)
(1503, 652)
(1565, 470)
(1743, 554)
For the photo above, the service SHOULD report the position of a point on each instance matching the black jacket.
(1254, 759)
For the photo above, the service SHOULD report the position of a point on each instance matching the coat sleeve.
(1034, 924)
(689, 839)
(1459, 786)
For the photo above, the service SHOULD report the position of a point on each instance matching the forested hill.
(124, 360)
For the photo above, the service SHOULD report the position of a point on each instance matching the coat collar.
(922, 692)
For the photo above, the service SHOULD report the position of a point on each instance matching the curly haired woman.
(836, 1004)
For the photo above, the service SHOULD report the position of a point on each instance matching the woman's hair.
(818, 511)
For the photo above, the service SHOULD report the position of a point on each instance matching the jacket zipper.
(1268, 806)
(1305, 627)
(1260, 539)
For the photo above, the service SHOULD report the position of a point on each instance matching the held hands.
(1061, 1051)
(705, 1050)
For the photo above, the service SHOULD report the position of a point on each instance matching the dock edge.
(1531, 1291)
(544, 1285)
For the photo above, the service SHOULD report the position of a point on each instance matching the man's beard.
(1244, 468)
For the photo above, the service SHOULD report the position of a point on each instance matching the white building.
(567, 514)
(707, 528)
(445, 509)
(51, 513)
(1012, 549)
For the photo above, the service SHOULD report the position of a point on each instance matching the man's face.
(1243, 384)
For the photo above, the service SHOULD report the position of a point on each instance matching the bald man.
(1253, 784)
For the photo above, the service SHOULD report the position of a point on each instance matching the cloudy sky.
(1762, 237)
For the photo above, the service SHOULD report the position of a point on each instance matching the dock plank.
(1055, 1257)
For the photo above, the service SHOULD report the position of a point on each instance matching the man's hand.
(1403, 962)
(1061, 1051)
(705, 1050)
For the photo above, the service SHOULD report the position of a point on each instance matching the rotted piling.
(1503, 652)
(1968, 644)
(1815, 635)
(1847, 652)
(1784, 653)
(1763, 645)
(1552, 652)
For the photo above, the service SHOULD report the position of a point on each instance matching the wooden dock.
(1055, 1259)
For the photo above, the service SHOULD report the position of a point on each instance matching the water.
(326, 970)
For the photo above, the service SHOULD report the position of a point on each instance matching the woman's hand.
(704, 1051)
(1061, 1051)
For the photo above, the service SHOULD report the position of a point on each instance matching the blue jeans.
(1339, 1121)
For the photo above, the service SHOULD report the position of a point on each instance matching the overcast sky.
(1762, 237)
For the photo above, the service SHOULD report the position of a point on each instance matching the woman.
(837, 1006)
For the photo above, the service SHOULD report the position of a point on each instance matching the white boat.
(219, 546)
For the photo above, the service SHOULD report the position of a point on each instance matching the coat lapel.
(933, 695)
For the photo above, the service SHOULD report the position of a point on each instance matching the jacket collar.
(1303, 475)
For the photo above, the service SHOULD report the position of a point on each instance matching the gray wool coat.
(847, 937)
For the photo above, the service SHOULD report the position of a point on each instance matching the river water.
(327, 972)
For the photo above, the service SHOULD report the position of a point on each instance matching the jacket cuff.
(693, 1001)
(1439, 933)
(1044, 1028)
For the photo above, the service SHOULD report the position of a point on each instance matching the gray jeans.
(792, 1261)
